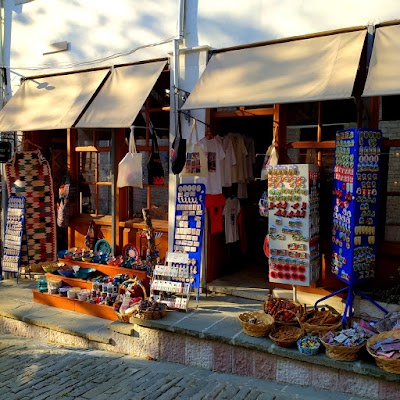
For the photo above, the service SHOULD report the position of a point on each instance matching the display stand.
(355, 211)
(293, 227)
(189, 228)
(171, 284)
(14, 230)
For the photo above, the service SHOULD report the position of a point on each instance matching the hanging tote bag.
(178, 150)
(196, 159)
(130, 170)
(271, 157)
(154, 166)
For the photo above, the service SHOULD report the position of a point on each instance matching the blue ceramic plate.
(103, 246)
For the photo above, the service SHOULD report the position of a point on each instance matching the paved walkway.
(33, 369)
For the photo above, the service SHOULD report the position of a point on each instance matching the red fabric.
(215, 204)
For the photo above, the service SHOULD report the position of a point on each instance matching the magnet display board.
(293, 225)
(189, 226)
(355, 209)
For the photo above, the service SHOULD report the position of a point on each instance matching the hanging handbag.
(196, 160)
(178, 150)
(91, 236)
(154, 166)
(130, 170)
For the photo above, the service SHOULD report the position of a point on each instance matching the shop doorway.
(243, 263)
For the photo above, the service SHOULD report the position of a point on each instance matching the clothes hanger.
(27, 141)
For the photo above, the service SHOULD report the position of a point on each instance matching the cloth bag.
(130, 170)
(196, 160)
(178, 150)
(270, 159)
(154, 166)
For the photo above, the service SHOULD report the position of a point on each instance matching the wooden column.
(279, 132)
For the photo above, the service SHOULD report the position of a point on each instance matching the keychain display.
(14, 229)
(293, 229)
(355, 208)
(189, 226)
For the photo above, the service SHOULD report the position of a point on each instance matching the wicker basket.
(286, 336)
(152, 314)
(320, 328)
(147, 314)
(387, 364)
(263, 325)
(294, 321)
(310, 350)
(35, 268)
(278, 314)
(342, 353)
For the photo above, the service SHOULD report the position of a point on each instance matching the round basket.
(277, 306)
(286, 336)
(293, 321)
(320, 321)
(35, 268)
(256, 323)
(152, 314)
(342, 353)
(136, 290)
(387, 364)
(309, 344)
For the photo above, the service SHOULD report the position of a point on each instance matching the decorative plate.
(103, 246)
(130, 251)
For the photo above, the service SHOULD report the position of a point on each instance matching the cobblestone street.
(31, 369)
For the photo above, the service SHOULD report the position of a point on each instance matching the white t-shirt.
(231, 213)
(228, 162)
(251, 157)
(239, 172)
(215, 154)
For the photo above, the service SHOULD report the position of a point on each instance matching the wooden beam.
(242, 112)
(328, 144)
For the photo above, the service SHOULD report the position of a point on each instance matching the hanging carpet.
(29, 175)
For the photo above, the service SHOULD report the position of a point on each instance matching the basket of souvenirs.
(256, 323)
(286, 335)
(320, 320)
(53, 285)
(385, 349)
(150, 309)
(284, 311)
(35, 267)
(344, 345)
(50, 266)
(130, 293)
(309, 344)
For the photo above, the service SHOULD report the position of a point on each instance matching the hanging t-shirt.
(228, 162)
(239, 171)
(215, 205)
(231, 213)
(215, 154)
(251, 157)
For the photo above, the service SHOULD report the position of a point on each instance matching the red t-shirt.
(215, 204)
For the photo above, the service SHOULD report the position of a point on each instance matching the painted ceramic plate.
(130, 251)
(103, 246)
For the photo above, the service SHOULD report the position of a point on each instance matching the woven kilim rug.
(29, 175)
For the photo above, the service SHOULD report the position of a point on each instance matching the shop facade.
(297, 91)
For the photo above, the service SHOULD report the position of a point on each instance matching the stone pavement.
(39, 370)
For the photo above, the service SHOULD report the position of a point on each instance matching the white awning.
(384, 68)
(313, 69)
(51, 102)
(122, 96)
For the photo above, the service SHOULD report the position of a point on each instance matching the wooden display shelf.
(109, 270)
(83, 307)
(82, 283)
